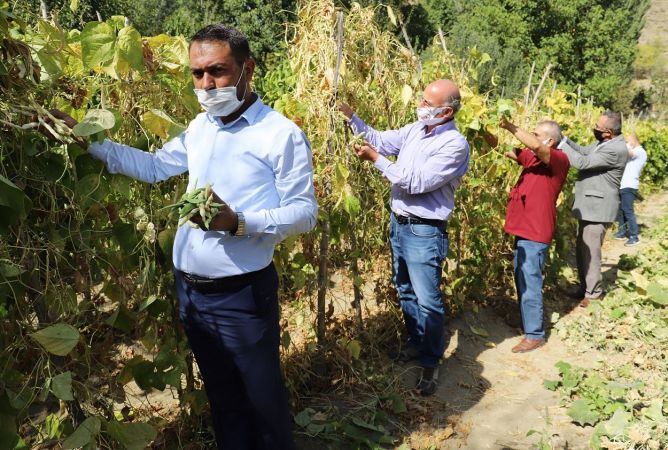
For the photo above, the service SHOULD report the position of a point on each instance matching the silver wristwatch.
(241, 225)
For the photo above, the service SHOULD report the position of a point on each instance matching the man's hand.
(506, 124)
(225, 220)
(511, 155)
(346, 110)
(365, 152)
(67, 120)
(633, 141)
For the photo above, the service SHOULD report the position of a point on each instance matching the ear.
(250, 68)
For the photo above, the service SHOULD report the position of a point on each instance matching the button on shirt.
(260, 164)
(631, 177)
(532, 209)
(428, 169)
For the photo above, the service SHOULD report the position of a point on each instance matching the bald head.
(443, 93)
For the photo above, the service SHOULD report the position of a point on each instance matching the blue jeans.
(418, 252)
(626, 217)
(529, 258)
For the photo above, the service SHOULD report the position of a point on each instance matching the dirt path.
(493, 397)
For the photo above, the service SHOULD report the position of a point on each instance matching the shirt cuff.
(356, 123)
(561, 144)
(382, 163)
(98, 150)
(255, 221)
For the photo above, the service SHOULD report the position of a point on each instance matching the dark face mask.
(598, 134)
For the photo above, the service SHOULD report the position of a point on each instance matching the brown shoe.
(585, 302)
(528, 344)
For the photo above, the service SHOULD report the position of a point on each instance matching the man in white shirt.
(260, 164)
(628, 193)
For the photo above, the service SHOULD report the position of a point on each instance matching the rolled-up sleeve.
(293, 172)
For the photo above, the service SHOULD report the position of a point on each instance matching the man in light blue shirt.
(432, 156)
(260, 164)
(628, 193)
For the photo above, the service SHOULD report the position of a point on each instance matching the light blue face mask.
(221, 102)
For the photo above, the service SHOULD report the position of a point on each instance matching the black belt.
(234, 282)
(403, 220)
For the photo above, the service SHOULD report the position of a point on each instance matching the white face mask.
(426, 116)
(221, 101)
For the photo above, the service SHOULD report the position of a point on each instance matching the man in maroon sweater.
(531, 217)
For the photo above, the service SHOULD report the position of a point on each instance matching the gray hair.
(614, 121)
(454, 102)
(552, 129)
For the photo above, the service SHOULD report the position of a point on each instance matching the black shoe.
(576, 294)
(428, 381)
(405, 353)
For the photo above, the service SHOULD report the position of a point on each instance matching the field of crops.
(85, 255)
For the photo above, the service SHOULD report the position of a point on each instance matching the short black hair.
(218, 32)
(613, 121)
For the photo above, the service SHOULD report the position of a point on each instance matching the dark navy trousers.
(234, 335)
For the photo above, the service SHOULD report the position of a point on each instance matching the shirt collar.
(250, 115)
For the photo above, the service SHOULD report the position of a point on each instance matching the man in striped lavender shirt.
(432, 156)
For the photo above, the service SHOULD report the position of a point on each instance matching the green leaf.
(479, 331)
(61, 386)
(74, 5)
(551, 385)
(159, 123)
(350, 203)
(148, 302)
(303, 418)
(14, 204)
(84, 434)
(582, 414)
(98, 41)
(129, 47)
(90, 189)
(10, 270)
(354, 348)
(145, 375)
(390, 14)
(121, 319)
(615, 426)
(398, 405)
(654, 411)
(96, 120)
(57, 339)
(133, 436)
(657, 294)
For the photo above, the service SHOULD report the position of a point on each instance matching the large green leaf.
(14, 204)
(657, 293)
(159, 123)
(133, 436)
(61, 386)
(98, 42)
(582, 413)
(129, 47)
(90, 189)
(57, 339)
(96, 120)
(84, 434)
(615, 426)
